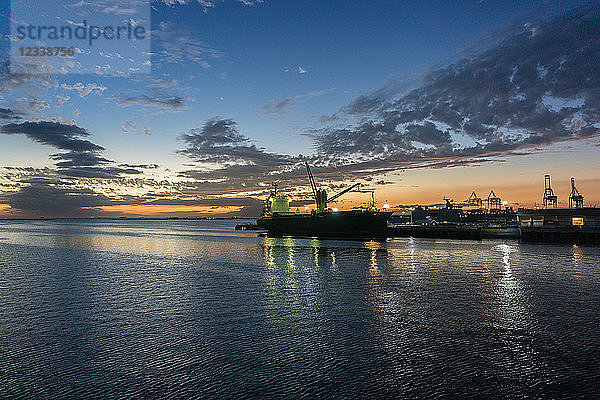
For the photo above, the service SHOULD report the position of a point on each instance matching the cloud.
(82, 159)
(206, 4)
(536, 87)
(250, 207)
(250, 2)
(178, 45)
(56, 134)
(163, 102)
(219, 141)
(62, 100)
(79, 159)
(89, 164)
(140, 166)
(98, 172)
(84, 89)
(32, 104)
(32, 77)
(279, 106)
(40, 198)
(127, 126)
(6, 113)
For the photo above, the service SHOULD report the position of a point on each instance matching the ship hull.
(333, 224)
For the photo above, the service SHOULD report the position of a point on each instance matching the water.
(194, 309)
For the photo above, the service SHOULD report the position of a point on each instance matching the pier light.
(577, 221)
(386, 206)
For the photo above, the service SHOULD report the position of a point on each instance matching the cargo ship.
(365, 222)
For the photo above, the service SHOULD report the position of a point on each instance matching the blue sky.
(279, 70)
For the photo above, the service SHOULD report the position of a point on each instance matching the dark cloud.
(97, 172)
(219, 141)
(536, 87)
(89, 164)
(79, 159)
(249, 206)
(140, 166)
(429, 134)
(6, 113)
(82, 160)
(56, 134)
(41, 199)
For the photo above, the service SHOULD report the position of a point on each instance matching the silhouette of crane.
(320, 195)
(575, 199)
(549, 199)
(474, 201)
(494, 202)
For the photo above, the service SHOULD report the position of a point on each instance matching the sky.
(221, 98)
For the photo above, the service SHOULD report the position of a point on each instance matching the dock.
(448, 231)
(560, 225)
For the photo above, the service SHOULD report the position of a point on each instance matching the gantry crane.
(549, 199)
(494, 202)
(575, 199)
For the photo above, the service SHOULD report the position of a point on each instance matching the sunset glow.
(206, 125)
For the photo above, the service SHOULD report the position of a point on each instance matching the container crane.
(575, 199)
(549, 199)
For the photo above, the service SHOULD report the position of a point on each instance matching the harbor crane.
(494, 202)
(575, 199)
(320, 195)
(474, 201)
(549, 199)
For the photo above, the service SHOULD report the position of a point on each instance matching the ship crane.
(336, 196)
(320, 195)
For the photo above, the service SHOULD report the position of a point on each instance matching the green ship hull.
(334, 224)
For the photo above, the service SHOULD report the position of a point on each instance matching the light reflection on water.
(196, 309)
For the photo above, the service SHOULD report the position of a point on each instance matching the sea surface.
(194, 309)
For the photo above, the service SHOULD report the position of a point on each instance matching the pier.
(560, 225)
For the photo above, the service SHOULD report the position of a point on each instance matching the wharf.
(452, 231)
(562, 235)
(561, 225)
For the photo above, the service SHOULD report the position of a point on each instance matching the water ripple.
(190, 309)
